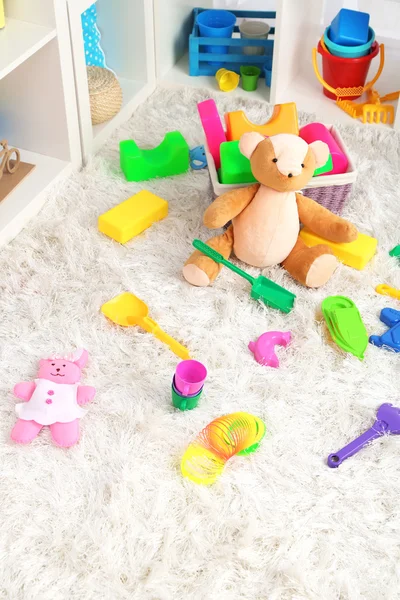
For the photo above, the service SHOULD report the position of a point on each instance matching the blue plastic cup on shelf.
(217, 24)
(349, 51)
(268, 71)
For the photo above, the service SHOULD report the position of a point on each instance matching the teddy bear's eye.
(63, 365)
(53, 364)
(274, 160)
(302, 165)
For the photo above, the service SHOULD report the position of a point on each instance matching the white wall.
(246, 4)
(172, 27)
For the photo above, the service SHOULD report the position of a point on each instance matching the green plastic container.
(185, 402)
(250, 77)
(235, 167)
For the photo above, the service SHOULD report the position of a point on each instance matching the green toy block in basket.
(235, 167)
(326, 168)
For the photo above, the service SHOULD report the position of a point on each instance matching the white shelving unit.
(299, 25)
(127, 29)
(37, 104)
(173, 24)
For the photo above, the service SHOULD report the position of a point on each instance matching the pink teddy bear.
(55, 399)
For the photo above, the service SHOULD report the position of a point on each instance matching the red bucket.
(341, 72)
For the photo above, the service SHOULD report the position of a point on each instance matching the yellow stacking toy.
(355, 254)
(283, 120)
(238, 433)
(133, 216)
(227, 80)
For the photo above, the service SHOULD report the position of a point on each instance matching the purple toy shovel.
(387, 422)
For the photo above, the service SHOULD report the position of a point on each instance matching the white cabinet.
(127, 38)
(299, 25)
(37, 103)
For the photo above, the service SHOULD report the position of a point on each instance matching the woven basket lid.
(100, 80)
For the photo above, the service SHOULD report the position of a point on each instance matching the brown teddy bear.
(266, 216)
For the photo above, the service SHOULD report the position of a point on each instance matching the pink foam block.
(213, 129)
(317, 131)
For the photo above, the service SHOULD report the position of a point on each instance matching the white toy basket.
(331, 191)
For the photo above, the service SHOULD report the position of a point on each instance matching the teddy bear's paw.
(194, 275)
(321, 270)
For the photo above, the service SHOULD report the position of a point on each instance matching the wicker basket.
(105, 94)
(331, 191)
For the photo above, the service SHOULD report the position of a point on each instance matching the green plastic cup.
(250, 77)
(184, 402)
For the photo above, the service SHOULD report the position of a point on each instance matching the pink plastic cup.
(190, 376)
(317, 131)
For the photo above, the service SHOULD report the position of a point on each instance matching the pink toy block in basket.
(331, 191)
(214, 132)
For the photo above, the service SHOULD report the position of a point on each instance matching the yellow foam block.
(283, 120)
(133, 216)
(355, 254)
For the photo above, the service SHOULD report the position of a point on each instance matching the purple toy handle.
(378, 429)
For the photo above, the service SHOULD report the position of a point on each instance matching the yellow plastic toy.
(386, 290)
(350, 91)
(355, 254)
(2, 18)
(227, 80)
(133, 216)
(128, 310)
(371, 111)
(283, 120)
(238, 433)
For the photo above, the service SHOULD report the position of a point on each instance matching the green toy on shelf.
(235, 167)
(171, 157)
(345, 325)
(264, 289)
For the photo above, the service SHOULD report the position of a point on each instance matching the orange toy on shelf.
(283, 120)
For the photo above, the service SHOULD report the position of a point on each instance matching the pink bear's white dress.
(51, 403)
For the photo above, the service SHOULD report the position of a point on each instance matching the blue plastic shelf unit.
(201, 62)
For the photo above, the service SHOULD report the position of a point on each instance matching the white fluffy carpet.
(112, 518)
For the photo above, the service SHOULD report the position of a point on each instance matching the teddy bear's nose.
(58, 370)
(290, 175)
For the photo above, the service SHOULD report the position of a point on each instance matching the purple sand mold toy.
(387, 422)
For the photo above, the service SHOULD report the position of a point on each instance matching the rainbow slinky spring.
(205, 458)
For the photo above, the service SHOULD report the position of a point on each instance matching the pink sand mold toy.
(387, 422)
(213, 129)
(317, 131)
(55, 399)
(264, 348)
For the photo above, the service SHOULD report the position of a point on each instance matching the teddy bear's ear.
(321, 153)
(249, 142)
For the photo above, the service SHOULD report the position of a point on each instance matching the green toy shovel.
(262, 288)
